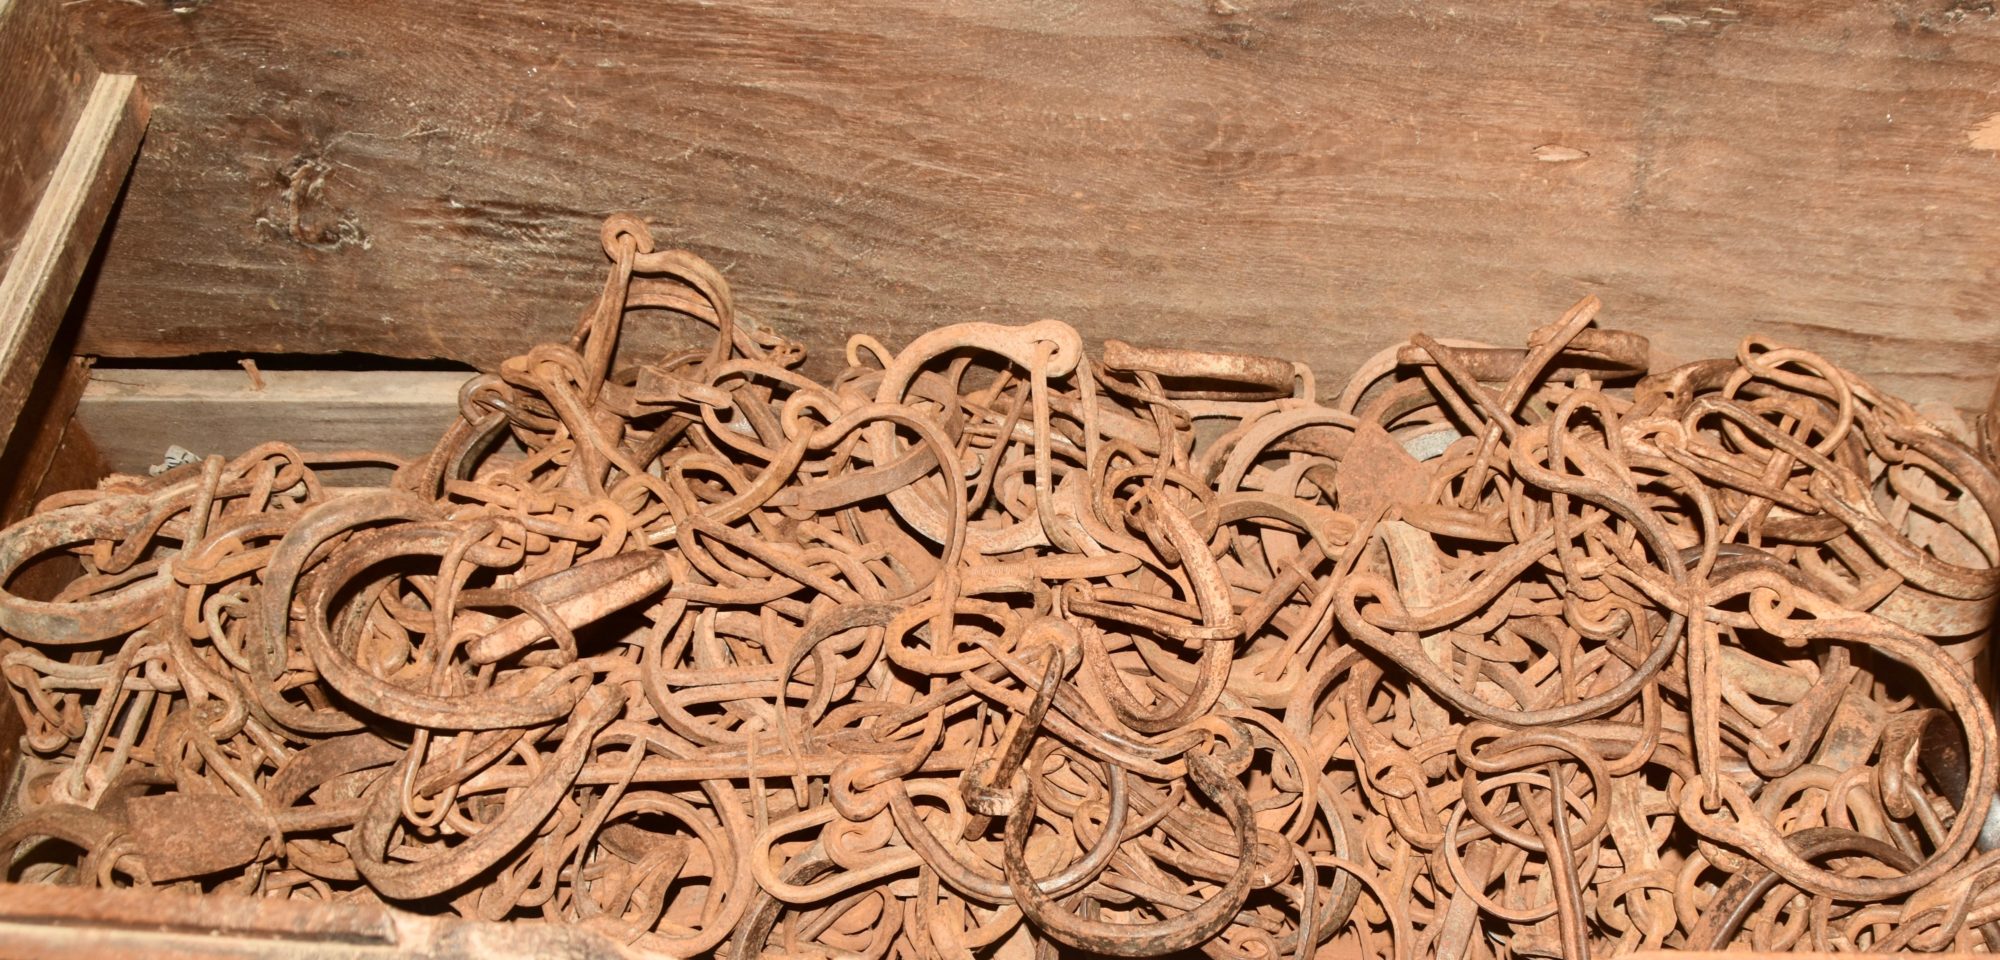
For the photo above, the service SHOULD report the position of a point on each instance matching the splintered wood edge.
(134, 415)
(39, 920)
(54, 249)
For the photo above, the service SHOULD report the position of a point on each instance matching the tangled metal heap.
(990, 647)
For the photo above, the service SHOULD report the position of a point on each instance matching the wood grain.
(1316, 180)
(51, 452)
(35, 290)
(134, 414)
(43, 920)
(45, 77)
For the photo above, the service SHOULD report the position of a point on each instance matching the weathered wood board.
(1306, 178)
(68, 134)
(45, 78)
(135, 415)
(41, 275)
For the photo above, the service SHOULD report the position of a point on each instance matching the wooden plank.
(135, 414)
(40, 920)
(45, 77)
(1317, 180)
(219, 917)
(35, 291)
(52, 453)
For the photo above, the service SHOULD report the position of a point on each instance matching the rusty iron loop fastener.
(987, 645)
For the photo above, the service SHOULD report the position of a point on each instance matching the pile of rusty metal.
(990, 646)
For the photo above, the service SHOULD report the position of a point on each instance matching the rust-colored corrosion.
(987, 647)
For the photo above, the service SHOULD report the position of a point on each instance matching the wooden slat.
(134, 415)
(38, 921)
(1311, 179)
(215, 916)
(45, 78)
(52, 452)
(35, 291)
